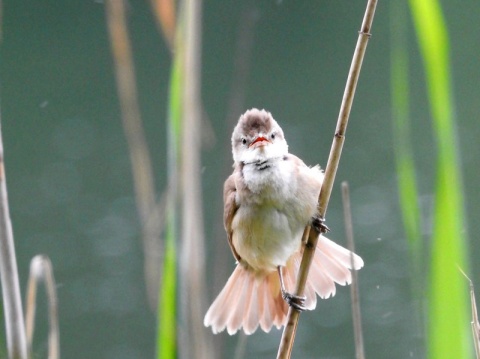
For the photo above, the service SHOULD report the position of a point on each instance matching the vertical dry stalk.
(289, 331)
(475, 323)
(354, 289)
(164, 11)
(196, 343)
(12, 302)
(242, 60)
(139, 155)
(41, 270)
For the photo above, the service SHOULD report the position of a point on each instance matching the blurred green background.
(69, 175)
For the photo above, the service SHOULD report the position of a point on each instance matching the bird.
(269, 199)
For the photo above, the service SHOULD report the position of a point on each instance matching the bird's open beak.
(259, 141)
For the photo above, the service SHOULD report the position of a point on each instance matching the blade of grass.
(166, 314)
(404, 159)
(167, 308)
(448, 305)
(407, 183)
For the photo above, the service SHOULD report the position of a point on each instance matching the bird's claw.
(295, 301)
(319, 224)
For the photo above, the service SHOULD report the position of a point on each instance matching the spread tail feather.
(331, 264)
(251, 299)
(248, 300)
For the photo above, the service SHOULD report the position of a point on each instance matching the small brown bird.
(268, 200)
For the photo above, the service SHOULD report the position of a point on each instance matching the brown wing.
(229, 209)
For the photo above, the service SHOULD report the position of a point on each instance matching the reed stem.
(290, 329)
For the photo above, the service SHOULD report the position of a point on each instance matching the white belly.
(269, 223)
(263, 236)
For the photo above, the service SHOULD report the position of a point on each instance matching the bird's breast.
(269, 222)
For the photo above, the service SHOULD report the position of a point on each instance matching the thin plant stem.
(164, 11)
(145, 196)
(288, 336)
(475, 323)
(242, 60)
(354, 288)
(195, 343)
(41, 270)
(12, 302)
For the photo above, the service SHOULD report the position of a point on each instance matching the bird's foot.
(318, 223)
(295, 301)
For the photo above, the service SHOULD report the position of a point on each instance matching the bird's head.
(257, 137)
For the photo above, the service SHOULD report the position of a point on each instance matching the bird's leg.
(295, 301)
(318, 223)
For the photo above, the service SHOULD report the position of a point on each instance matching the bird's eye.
(273, 135)
(244, 141)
